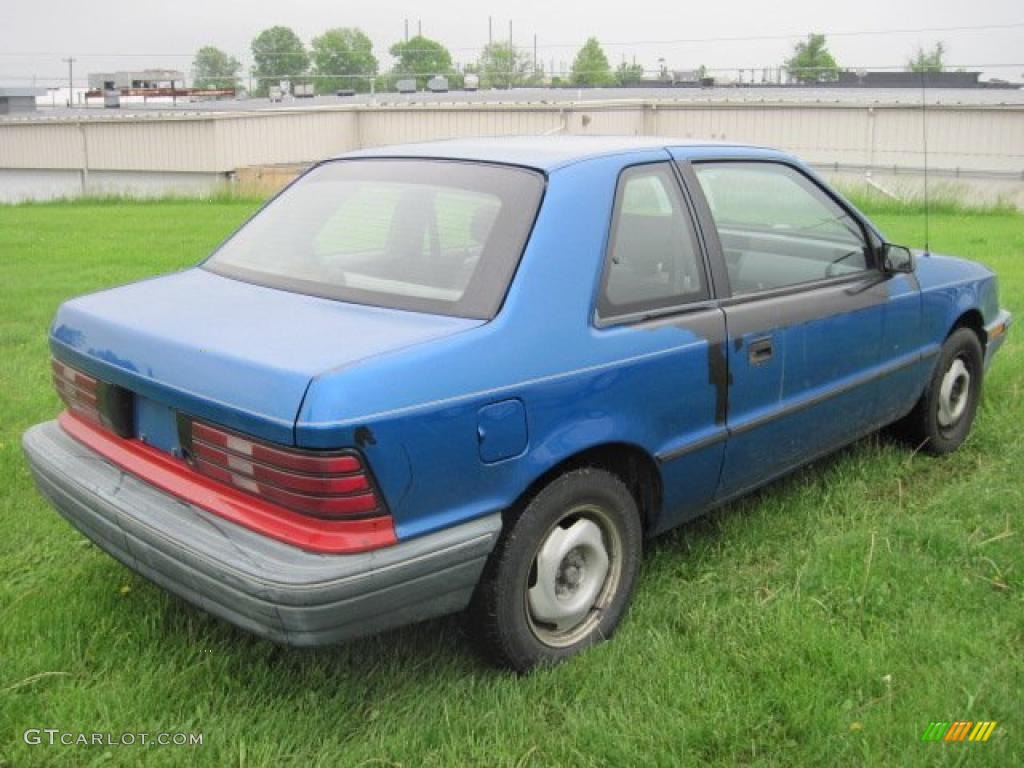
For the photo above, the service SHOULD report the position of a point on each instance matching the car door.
(656, 301)
(804, 317)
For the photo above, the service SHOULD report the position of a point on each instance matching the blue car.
(478, 374)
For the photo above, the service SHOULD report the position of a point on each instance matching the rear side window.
(653, 259)
(777, 227)
(424, 235)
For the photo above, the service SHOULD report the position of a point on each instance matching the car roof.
(545, 153)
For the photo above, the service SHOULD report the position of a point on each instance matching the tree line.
(812, 62)
(343, 58)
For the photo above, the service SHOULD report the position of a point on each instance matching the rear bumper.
(262, 585)
(995, 333)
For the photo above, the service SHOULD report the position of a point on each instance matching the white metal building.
(974, 149)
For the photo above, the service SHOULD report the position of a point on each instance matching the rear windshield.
(425, 235)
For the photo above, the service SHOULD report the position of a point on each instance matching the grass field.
(825, 621)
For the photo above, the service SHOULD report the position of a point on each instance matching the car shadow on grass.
(885, 453)
(439, 649)
(432, 649)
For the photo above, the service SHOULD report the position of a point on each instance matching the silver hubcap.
(575, 575)
(954, 393)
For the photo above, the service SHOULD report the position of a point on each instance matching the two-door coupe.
(480, 373)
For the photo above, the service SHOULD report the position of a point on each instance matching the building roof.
(21, 93)
(143, 74)
(544, 98)
(544, 152)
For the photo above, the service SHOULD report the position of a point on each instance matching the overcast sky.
(35, 34)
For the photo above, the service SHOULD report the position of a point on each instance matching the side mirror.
(897, 259)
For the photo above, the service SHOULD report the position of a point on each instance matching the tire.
(942, 418)
(547, 591)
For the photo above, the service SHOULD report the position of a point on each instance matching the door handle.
(760, 351)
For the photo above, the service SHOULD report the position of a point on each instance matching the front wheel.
(942, 418)
(563, 573)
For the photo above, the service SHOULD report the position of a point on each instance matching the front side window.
(777, 227)
(424, 235)
(653, 259)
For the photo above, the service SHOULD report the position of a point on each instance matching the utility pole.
(419, 27)
(511, 55)
(490, 31)
(407, 30)
(71, 79)
(535, 52)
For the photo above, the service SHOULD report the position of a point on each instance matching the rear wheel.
(943, 416)
(562, 575)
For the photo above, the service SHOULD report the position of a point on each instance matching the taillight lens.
(335, 484)
(77, 390)
(93, 399)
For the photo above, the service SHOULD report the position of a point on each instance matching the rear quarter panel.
(414, 413)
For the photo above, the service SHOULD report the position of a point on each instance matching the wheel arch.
(633, 465)
(973, 320)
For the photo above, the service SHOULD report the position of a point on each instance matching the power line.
(673, 41)
(799, 35)
(505, 72)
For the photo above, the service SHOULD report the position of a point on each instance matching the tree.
(928, 61)
(811, 61)
(422, 58)
(504, 66)
(343, 58)
(279, 55)
(212, 68)
(629, 74)
(591, 65)
(534, 74)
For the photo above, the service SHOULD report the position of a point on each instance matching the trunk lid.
(238, 354)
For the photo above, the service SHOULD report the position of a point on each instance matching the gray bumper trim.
(260, 584)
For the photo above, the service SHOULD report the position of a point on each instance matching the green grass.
(825, 621)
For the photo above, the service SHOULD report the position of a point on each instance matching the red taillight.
(79, 391)
(342, 535)
(95, 400)
(281, 457)
(328, 484)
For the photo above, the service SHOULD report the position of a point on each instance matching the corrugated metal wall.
(34, 145)
(979, 141)
(283, 137)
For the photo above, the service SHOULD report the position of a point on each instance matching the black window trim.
(709, 300)
(872, 239)
(862, 280)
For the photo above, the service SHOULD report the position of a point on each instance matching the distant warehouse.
(865, 136)
(15, 100)
(137, 79)
(147, 84)
(905, 79)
